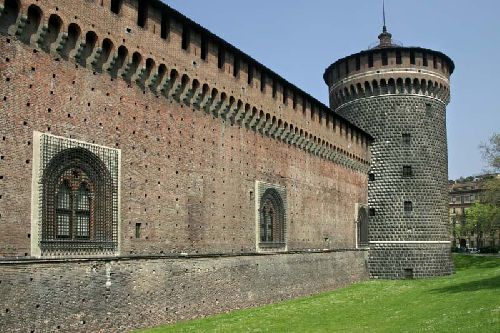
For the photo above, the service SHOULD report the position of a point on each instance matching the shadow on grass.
(489, 283)
(464, 261)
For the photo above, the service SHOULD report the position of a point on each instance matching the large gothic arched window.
(77, 204)
(271, 219)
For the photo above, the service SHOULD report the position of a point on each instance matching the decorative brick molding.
(53, 153)
(277, 193)
(105, 55)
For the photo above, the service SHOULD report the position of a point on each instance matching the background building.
(464, 192)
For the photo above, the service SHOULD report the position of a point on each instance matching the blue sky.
(299, 38)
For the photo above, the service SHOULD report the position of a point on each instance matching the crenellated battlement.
(358, 88)
(392, 58)
(152, 46)
(389, 70)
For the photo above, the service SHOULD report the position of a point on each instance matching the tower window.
(358, 63)
(370, 60)
(116, 6)
(165, 26)
(412, 57)
(398, 57)
(384, 58)
(371, 212)
(275, 87)
(221, 57)
(250, 74)
(407, 171)
(142, 13)
(262, 81)
(406, 138)
(428, 109)
(204, 47)
(236, 66)
(424, 59)
(434, 61)
(408, 206)
(185, 37)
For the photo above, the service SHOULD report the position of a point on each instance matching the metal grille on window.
(63, 211)
(266, 227)
(82, 212)
(272, 219)
(79, 197)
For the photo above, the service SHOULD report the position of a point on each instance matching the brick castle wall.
(187, 177)
(117, 295)
(188, 172)
(195, 136)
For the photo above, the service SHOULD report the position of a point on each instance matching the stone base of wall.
(116, 294)
(400, 261)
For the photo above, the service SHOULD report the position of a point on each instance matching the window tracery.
(78, 198)
(272, 219)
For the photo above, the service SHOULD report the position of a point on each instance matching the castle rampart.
(134, 140)
(164, 58)
(170, 61)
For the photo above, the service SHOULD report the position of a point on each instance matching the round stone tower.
(399, 95)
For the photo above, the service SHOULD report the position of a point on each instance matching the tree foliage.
(482, 218)
(492, 191)
(491, 152)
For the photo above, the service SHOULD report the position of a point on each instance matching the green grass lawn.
(468, 301)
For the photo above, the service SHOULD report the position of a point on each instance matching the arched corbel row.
(52, 35)
(390, 86)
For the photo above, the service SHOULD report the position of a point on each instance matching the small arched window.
(363, 232)
(271, 219)
(384, 58)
